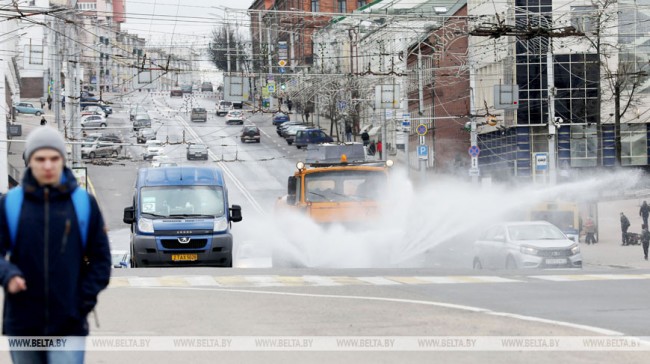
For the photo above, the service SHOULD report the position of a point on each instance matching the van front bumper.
(149, 251)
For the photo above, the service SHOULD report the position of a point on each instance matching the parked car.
(311, 136)
(281, 127)
(105, 107)
(197, 151)
(223, 107)
(250, 133)
(93, 122)
(199, 114)
(89, 99)
(289, 134)
(530, 244)
(235, 117)
(206, 86)
(135, 110)
(141, 121)
(145, 134)
(28, 108)
(177, 92)
(100, 149)
(280, 118)
(186, 89)
(153, 148)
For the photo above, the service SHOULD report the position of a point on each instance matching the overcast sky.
(180, 21)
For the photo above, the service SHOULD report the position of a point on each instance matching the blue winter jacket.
(63, 279)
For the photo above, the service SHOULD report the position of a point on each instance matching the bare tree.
(226, 41)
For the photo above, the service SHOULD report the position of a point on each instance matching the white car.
(160, 160)
(528, 244)
(235, 117)
(93, 110)
(153, 148)
(93, 122)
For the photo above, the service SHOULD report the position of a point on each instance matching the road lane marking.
(590, 277)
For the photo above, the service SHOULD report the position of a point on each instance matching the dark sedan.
(197, 151)
(250, 133)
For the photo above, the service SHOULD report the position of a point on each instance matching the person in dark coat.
(625, 224)
(48, 240)
(644, 211)
(645, 240)
(49, 102)
(43, 121)
(365, 137)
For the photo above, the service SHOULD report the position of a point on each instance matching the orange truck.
(336, 184)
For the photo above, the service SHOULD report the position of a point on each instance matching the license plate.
(185, 257)
(556, 261)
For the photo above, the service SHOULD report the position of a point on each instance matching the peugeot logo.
(555, 254)
(184, 240)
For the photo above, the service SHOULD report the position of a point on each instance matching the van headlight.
(220, 224)
(528, 250)
(575, 249)
(145, 225)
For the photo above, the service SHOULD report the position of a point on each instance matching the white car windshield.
(168, 201)
(535, 232)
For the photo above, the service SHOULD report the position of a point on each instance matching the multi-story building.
(34, 53)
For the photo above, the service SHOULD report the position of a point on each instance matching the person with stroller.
(625, 224)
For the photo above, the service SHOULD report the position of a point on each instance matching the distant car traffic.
(135, 110)
(199, 114)
(93, 122)
(250, 133)
(28, 108)
(223, 107)
(93, 110)
(289, 134)
(159, 160)
(280, 118)
(206, 86)
(100, 149)
(197, 151)
(186, 89)
(235, 117)
(530, 244)
(176, 93)
(145, 134)
(153, 148)
(141, 121)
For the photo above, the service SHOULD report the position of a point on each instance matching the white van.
(223, 107)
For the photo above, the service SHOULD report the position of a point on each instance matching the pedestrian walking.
(49, 102)
(289, 105)
(644, 211)
(43, 121)
(365, 138)
(645, 240)
(59, 257)
(379, 149)
(590, 231)
(42, 102)
(348, 132)
(625, 224)
(372, 148)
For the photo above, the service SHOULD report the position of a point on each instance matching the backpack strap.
(81, 202)
(14, 204)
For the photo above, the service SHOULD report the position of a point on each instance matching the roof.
(180, 176)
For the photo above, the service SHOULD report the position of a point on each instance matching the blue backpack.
(14, 204)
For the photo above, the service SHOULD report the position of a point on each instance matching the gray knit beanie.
(44, 137)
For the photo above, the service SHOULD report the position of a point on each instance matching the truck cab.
(181, 216)
(336, 184)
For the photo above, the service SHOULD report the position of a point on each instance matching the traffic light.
(283, 86)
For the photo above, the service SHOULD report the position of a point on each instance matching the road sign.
(406, 119)
(474, 151)
(474, 172)
(541, 161)
(281, 69)
(282, 63)
(342, 105)
(423, 152)
(422, 129)
(270, 88)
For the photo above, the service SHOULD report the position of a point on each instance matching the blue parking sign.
(423, 151)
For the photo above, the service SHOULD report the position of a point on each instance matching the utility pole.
(552, 128)
(56, 88)
(99, 58)
(270, 56)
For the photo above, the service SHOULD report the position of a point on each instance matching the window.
(583, 18)
(343, 6)
(35, 53)
(584, 146)
(634, 145)
(315, 7)
(361, 3)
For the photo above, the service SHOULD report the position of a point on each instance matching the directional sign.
(474, 151)
(270, 88)
(406, 119)
(541, 161)
(422, 129)
(423, 152)
(282, 63)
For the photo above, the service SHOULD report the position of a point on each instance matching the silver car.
(530, 244)
(100, 149)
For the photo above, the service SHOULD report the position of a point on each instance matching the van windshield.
(166, 201)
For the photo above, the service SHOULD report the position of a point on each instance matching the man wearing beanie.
(58, 261)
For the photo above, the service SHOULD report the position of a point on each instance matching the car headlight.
(575, 249)
(145, 225)
(220, 224)
(528, 250)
